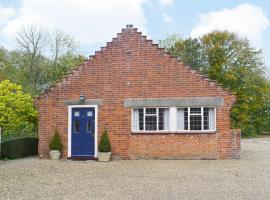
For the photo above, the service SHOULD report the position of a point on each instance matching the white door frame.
(70, 125)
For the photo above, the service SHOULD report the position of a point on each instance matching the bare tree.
(32, 41)
(61, 44)
(44, 57)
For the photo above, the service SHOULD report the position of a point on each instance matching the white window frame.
(144, 115)
(173, 121)
(201, 114)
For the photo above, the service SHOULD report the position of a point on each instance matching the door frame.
(70, 124)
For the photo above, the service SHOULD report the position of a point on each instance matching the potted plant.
(104, 148)
(55, 146)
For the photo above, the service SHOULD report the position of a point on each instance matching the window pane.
(186, 118)
(212, 120)
(163, 118)
(195, 122)
(135, 120)
(141, 119)
(89, 127)
(150, 111)
(77, 114)
(89, 114)
(195, 110)
(206, 118)
(76, 126)
(150, 123)
(180, 119)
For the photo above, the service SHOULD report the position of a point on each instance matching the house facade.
(152, 105)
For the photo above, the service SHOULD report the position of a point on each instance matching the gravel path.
(247, 178)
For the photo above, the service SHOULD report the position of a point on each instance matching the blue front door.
(83, 132)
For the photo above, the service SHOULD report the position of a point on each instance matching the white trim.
(173, 121)
(201, 114)
(177, 131)
(215, 113)
(69, 125)
(144, 115)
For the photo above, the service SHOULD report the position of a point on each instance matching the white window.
(150, 119)
(196, 119)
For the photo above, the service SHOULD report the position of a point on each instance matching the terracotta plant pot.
(104, 156)
(54, 154)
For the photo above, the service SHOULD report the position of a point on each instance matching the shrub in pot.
(55, 146)
(104, 148)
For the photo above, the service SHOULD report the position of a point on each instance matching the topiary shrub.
(56, 143)
(104, 144)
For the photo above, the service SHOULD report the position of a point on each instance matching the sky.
(95, 22)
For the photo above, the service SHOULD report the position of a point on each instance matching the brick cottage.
(152, 105)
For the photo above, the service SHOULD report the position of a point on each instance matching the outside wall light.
(82, 99)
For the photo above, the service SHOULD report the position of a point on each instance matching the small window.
(76, 126)
(89, 113)
(151, 111)
(89, 127)
(77, 114)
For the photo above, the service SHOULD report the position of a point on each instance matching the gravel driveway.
(247, 178)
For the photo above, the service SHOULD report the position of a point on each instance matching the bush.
(16, 107)
(104, 145)
(19, 147)
(24, 129)
(56, 143)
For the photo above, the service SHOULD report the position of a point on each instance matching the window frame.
(144, 115)
(173, 122)
(202, 118)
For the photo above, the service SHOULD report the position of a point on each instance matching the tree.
(32, 41)
(235, 64)
(41, 59)
(64, 58)
(16, 108)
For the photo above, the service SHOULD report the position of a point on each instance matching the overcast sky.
(94, 22)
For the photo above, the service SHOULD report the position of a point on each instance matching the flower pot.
(54, 154)
(104, 156)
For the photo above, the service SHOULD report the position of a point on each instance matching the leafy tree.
(16, 108)
(235, 64)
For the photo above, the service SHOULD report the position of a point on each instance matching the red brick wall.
(132, 67)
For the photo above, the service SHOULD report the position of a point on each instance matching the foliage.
(24, 129)
(104, 145)
(235, 64)
(40, 59)
(56, 143)
(19, 147)
(16, 108)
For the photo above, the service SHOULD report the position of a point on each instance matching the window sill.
(172, 132)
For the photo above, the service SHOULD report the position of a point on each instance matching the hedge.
(19, 147)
